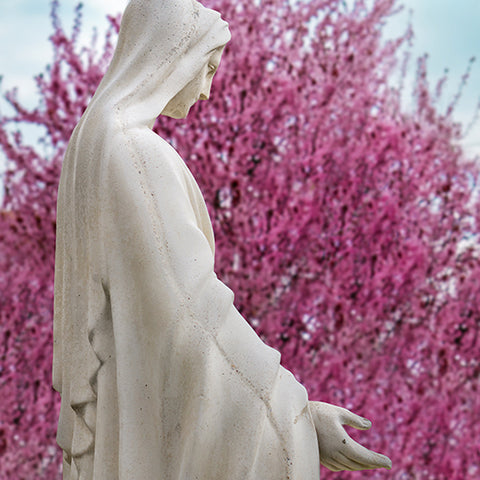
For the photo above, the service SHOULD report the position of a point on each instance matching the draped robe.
(160, 376)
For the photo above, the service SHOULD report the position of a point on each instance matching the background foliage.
(346, 226)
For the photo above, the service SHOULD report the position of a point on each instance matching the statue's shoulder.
(145, 145)
(141, 153)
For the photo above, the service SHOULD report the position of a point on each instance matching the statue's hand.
(337, 450)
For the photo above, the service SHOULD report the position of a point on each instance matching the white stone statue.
(160, 376)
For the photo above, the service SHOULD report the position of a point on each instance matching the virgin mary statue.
(160, 376)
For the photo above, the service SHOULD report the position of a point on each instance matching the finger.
(333, 466)
(364, 456)
(356, 421)
(348, 463)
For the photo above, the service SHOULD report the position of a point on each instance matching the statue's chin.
(178, 113)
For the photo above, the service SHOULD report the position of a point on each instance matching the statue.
(160, 376)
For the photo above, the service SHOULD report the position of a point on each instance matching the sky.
(445, 29)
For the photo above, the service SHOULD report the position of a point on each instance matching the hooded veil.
(160, 376)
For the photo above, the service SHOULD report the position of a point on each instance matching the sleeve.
(160, 255)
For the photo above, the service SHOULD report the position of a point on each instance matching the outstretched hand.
(337, 450)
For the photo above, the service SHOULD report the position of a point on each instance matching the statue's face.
(197, 89)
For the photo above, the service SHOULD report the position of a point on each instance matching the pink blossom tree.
(343, 224)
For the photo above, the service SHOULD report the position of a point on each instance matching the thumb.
(355, 421)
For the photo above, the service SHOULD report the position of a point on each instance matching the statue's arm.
(162, 267)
